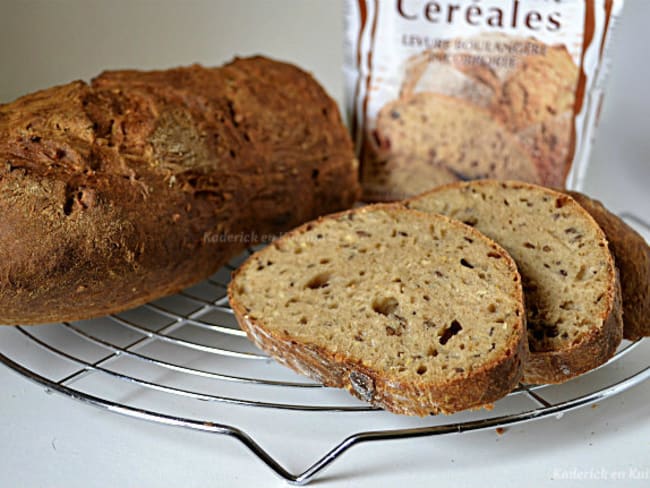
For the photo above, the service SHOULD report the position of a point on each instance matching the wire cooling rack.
(182, 361)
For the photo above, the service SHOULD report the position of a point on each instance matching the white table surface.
(47, 440)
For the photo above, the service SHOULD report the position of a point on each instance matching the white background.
(50, 441)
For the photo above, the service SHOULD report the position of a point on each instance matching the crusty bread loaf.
(142, 183)
(632, 256)
(570, 283)
(434, 136)
(413, 312)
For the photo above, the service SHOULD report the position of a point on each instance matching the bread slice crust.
(632, 256)
(478, 388)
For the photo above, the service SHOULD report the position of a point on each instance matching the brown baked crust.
(592, 351)
(632, 257)
(595, 348)
(479, 389)
(142, 183)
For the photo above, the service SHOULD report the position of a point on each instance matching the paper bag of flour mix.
(440, 91)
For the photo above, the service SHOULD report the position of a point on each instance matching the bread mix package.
(440, 91)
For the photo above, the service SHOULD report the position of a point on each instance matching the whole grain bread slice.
(413, 312)
(573, 297)
(632, 256)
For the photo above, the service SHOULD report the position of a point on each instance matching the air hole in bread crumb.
(421, 369)
(472, 221)
(303, 320)
(321, 280)
(385, 305)
(432, 352)
(465, 263)
(492, 308)
(324, 261)
(494, 255)
(449, 332)
(568, 305)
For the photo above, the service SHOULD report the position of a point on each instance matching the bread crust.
(632, 258)
(480, 388)
(596, 347)
(594, 350)
(139, 184)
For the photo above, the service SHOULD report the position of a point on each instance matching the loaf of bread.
(138, 184)
(573, 296)
(413, 312)
(442, 139)
(632, 256)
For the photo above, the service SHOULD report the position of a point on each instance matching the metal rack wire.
(163, 360)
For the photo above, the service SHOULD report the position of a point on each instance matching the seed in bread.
(570, 282)
(413, 312)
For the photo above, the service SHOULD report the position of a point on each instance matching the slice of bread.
(632, 256)
(429, 132)
(570, 282)
(412, 312)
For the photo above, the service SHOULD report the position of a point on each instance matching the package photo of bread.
(527, 76)
(279, 230)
